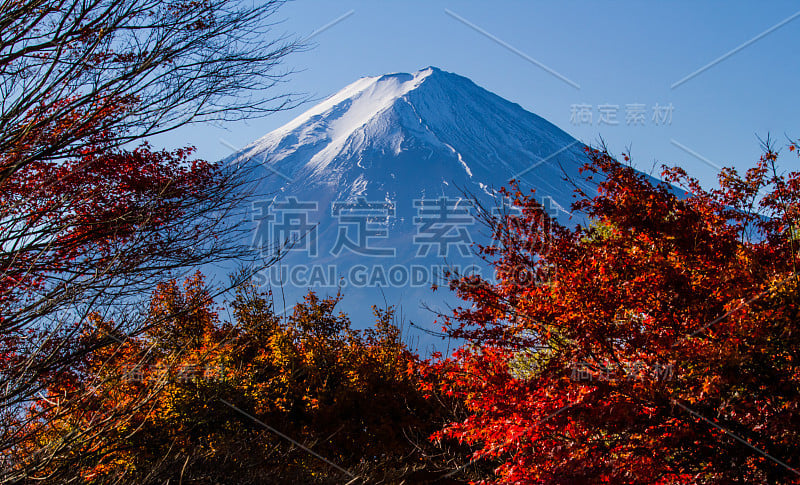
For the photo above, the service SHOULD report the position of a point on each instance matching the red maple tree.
(660, 344)
(90, 215)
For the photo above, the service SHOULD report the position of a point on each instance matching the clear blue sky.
(619, 53)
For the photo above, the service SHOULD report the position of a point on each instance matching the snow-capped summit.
(335, 120)
(399, 132)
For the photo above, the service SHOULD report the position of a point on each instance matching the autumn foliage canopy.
(659, 344)
(205, 400)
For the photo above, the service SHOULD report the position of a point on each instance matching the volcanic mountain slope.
(406, 147)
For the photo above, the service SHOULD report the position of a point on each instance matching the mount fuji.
(367, 180)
